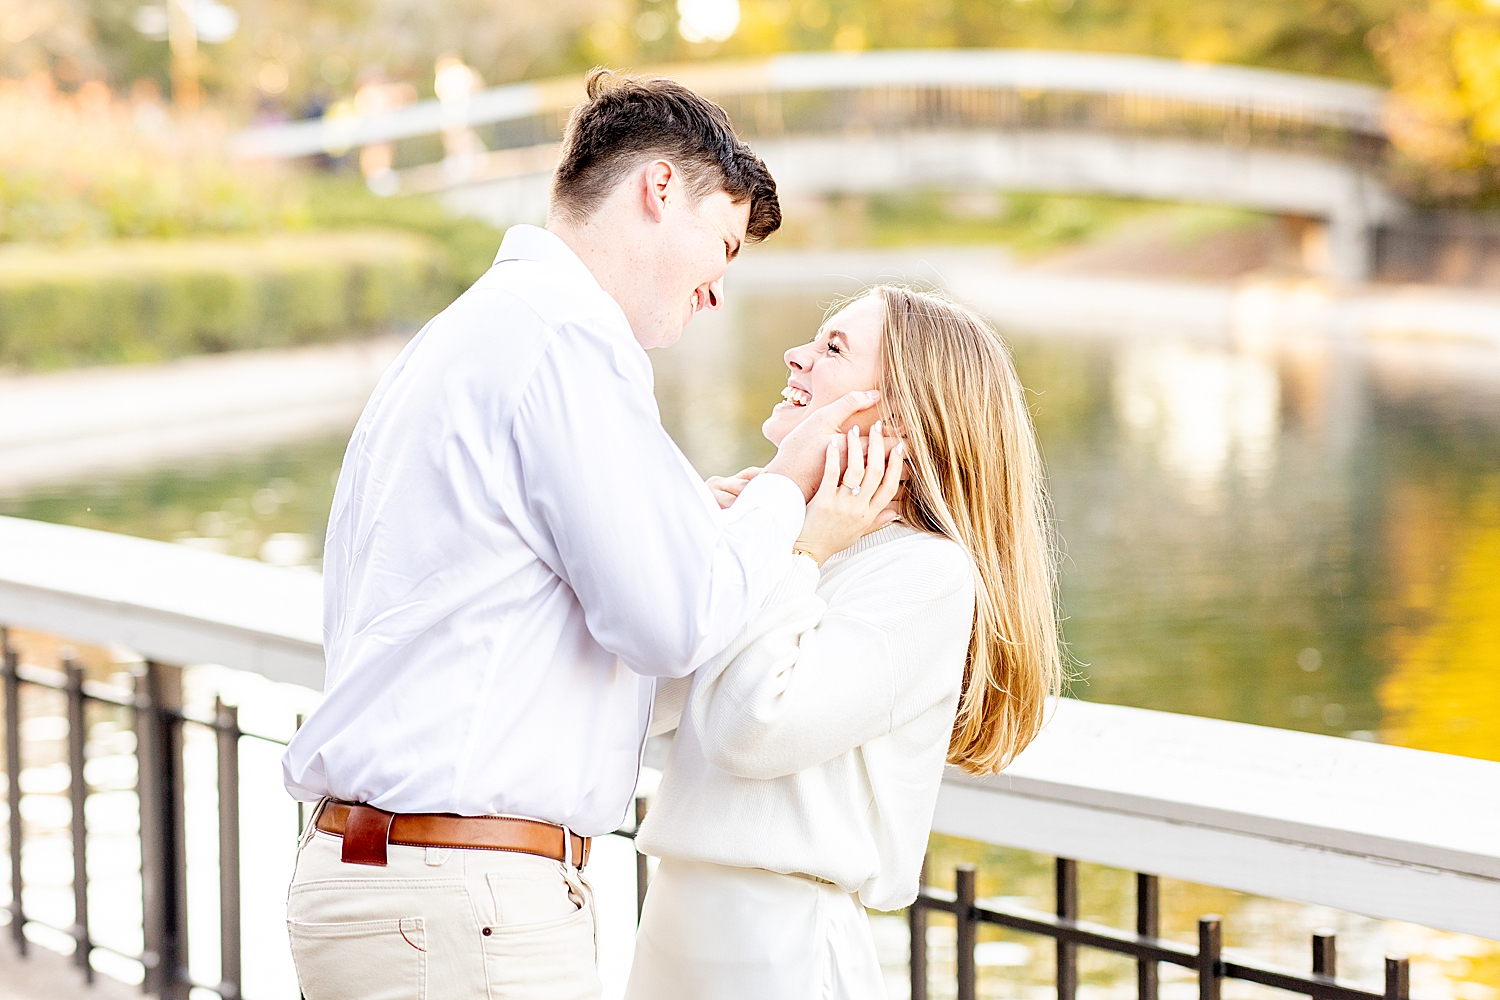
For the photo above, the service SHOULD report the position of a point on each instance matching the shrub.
(147, 300)
(343, 202)
(85, 167)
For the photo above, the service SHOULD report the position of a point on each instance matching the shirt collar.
(537, 244)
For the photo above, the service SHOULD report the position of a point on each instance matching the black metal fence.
(1145, 945)
(159, 720)
(156, 707)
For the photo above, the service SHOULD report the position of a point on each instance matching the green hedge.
(146, 300)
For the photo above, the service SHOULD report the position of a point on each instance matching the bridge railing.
(970, 88)
(835, 123)
(1377, 830)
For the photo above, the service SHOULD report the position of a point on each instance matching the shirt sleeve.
(667, 704)
(809, 680)
(665, 578)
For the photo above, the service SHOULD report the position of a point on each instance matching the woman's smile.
(796, 395)
(843, 357)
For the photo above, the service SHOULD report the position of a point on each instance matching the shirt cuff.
(800, 580)
(776, 494)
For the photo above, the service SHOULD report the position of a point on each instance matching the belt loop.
(567, 845)
(312, 822)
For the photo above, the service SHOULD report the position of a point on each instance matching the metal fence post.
(1147, 924)
(642, 865)
(968, 931)
(10, 660)
(1210, 944)
(227, 730)
(917, 917)
(1397, 978)
(78, 794)
(1325, 954)
(1067, 909)
(301, 806)
(163, 852)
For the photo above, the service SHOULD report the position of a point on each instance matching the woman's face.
(843, 357)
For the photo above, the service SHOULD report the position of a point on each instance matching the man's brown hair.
(628, 120)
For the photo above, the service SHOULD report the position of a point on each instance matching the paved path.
(1044, 299)
(46, 975)
(60, 425)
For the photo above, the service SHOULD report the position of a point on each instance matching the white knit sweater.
(814, 744)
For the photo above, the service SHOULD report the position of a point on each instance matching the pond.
(1299, 532)
(1303, 535)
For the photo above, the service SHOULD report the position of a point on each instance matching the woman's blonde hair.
(948, 384)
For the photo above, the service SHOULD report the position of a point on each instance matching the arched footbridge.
(833, 123)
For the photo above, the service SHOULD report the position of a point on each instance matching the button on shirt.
(516, 550)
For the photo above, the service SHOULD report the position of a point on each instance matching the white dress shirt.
(516, 550)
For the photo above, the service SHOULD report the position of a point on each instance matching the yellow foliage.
(1444, 693)
(1476, 62)
(1444, 61)
(1214, 44)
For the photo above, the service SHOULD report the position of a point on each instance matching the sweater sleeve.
(808, 680)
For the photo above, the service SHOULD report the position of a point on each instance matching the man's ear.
(656, 183)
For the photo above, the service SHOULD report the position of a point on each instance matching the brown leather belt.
(367, 830)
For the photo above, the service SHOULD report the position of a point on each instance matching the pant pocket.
(361, 959)
(551, 960)
(532, 899)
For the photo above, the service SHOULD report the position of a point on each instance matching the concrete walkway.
(1045, 299)
(46, 975)
(59, 425)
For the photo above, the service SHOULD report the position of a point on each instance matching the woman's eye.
(834, 349)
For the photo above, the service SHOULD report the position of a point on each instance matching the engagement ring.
(854, 490)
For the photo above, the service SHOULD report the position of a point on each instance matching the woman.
(802, 781)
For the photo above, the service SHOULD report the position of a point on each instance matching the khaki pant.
(440, 924)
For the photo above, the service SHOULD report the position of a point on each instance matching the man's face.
(688, 250)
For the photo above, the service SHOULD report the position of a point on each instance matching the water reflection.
(270, 505)
(1204, 412)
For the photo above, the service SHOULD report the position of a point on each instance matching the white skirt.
(710, 932)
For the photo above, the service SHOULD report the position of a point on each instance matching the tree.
(1444, 63)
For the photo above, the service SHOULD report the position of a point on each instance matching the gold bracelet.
(798, 550)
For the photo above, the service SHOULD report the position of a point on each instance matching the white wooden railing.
(1378, 830)
(1336, 103)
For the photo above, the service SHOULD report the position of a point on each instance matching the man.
(516, 550)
